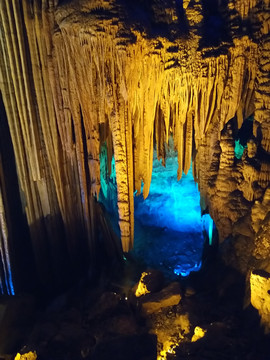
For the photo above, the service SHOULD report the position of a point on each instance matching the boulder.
(150, 282)
(29, 356)
(168, 296)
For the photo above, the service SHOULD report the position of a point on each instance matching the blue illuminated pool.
(168, 224)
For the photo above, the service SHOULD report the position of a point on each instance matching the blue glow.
(208, 226)
(169, 229)
(168, 224)
(11, 287)
(108, 187)
(6, 284)
(238, 149)
(1, 287)
(180, 270)
(8, 278)
(244, 133)
(210, 232)
(171, 204)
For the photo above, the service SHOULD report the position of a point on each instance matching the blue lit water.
(171, 204)
(168, 224)
(172, 252)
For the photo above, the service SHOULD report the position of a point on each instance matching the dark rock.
(106, 304)
(154, 280)
(136, 347)
(72, 315)
(58, 304)
(120, 324)
(16, 317)
(43, 332)
(71, 332)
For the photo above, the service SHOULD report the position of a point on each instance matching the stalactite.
(17, 112)
(84, 77)
(244, 6)
(262, 97)
(46, 175)
(151, 92)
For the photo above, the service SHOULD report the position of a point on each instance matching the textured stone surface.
(168, 296)
(77, 74)
(150, 282)
(260, 295)
(27, 356)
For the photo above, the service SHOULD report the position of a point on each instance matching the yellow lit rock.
(182, 321)
(168, 348)
(198, 333)
(153, 306)
(260, 296)
(170, 332)
(168, 296)
(28, 356)
(142, 289)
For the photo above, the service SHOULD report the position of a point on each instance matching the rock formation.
(77, 74)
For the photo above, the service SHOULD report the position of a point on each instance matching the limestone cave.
(134, 179)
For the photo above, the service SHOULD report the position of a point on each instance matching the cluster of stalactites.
(91, 86)
(142, 94)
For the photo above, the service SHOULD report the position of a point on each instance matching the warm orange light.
(168, 348)
(142, 289)
(28, 356)
(198, 333)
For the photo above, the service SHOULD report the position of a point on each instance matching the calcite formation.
(77, 74)
(260, 296)
(29, 356)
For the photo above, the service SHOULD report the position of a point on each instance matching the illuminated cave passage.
(169, 229)
(168, 223)
(77, 74)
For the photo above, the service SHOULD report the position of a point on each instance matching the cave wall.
(77, 74)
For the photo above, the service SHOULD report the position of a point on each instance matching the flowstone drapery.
(77, 74)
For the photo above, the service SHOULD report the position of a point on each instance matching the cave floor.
(173, 252)
(105, 320)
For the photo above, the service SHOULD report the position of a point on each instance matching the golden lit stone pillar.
(124, 177)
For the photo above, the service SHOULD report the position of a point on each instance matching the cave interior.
(134, 179)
